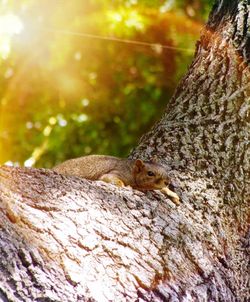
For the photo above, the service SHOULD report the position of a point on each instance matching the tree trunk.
(69, 239)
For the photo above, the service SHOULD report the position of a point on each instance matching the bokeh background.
(67, 88)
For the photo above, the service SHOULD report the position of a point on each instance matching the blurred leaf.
(64, 94)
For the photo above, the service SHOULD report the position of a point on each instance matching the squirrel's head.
(150, 176)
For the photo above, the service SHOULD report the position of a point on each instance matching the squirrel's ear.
(139, 165)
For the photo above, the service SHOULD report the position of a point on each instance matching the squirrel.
(138, 174)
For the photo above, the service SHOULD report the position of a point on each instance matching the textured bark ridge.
(206, 128)
(68, 239)
(205, 132)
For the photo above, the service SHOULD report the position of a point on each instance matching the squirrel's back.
(93, 166)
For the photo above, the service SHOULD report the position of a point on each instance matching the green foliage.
(65, 94)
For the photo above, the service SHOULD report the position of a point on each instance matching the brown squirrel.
(138, 174)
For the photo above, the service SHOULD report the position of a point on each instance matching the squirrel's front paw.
(174, 197)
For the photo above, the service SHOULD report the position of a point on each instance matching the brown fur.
(121, 172)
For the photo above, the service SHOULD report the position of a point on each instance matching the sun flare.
(10, 25)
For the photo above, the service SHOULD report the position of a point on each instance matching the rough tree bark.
(68, 239)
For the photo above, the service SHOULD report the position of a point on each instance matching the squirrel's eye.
(150, 173)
